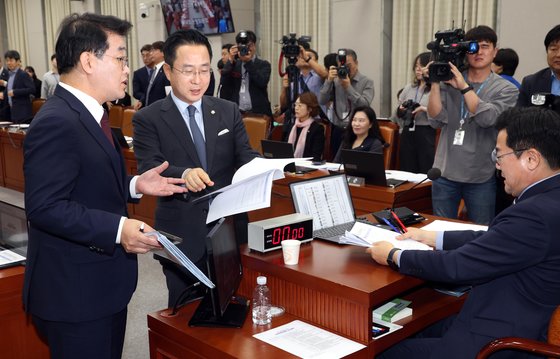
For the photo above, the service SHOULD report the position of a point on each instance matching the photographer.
(465, 108)
(417, 141)
(347, 88)
(245, 77)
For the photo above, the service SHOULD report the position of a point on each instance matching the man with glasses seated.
(203, 139)
(245, 77)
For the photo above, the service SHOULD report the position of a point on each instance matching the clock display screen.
(274, 236)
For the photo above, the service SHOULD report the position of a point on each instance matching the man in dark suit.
(141, 77)
(546, 80)
(158, 81)
(81, 265)
(4, 75)
(245, 77)
(19, 88)
(514, 267)
(202, 137)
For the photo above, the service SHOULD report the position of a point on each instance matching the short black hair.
(482, 33)
(533, 127)
(227, 46)
(330, 60)
(147, 47)
(183, 37)
(251, 37)
(508, 59)
(552, 36)
(158, 45)
(85, 33)
(12, 54)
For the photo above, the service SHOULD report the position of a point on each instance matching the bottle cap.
(261, 280)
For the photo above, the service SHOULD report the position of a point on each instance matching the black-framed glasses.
(123, 60)
(190, 73)
(497, 159)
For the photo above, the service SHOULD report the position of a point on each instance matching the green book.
(393, 311)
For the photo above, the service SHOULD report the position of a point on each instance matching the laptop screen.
(326, 199)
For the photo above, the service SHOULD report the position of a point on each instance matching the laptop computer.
(279, 149)
(368, 165)
(328, 201)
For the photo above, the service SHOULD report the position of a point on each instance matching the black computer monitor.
(279, 149)
(224, 269)
(368, 165)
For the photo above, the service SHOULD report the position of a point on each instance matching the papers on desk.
(175, 254)
(250, 188)
(440, 225)
(325, 166)
(307, 341)
(406, 176)
(365, 235)
(8, 257)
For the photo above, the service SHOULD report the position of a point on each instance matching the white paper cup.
(290, 250)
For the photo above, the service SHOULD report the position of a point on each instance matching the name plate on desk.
(267, 235)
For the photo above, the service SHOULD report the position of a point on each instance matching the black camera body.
(546, 100)
(243, 43)
(291, 45)
(406, 113)
(342, 70)
(449, 46)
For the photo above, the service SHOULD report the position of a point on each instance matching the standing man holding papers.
(81, 266)
(514, 267)
(204, 140)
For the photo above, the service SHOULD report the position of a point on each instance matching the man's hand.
(379, 252)
(197, 180)
(137, 105)
(152, 183)
(333, 73)
(458, 81)
(420, 235)
(134, 241)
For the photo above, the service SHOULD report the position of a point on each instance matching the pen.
(391, 225)
(399, 222)
(142, 227)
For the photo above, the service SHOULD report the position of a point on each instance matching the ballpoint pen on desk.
(391, 225)
(398, 221)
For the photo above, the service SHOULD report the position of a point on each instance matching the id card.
(413, 127)
(459, 137)
(242, 88)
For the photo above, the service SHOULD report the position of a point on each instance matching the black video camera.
(449, 47)
(291, 45)
(406, 113)
(546, 100)
(243, 43)
(342, 69)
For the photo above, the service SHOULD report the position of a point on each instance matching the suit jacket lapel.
(211, 117)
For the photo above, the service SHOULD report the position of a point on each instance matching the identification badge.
(459, 137)
(242, 89)
(413, 127)
(345, 114)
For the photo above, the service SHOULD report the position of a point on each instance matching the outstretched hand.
(152, 183)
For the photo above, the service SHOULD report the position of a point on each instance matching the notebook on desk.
(368, 165)
(279, 149)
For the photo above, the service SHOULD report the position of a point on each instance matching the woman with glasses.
(307, 135)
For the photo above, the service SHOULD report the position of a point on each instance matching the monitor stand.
(233, 317)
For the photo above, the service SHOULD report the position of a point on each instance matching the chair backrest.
(116, 116)
(389, 135)
(127, 121)
(36, 105)
(257, 130)
(554, 328)
(327, 154)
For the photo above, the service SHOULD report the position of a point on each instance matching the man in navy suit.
(19, 88)
(205, 150)
(4, 76)
(141, 77)
(546, 80)
(81, 265)
(158, 81)
(514, 267)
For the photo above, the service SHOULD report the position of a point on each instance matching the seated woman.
(362, 133)
(307, 135)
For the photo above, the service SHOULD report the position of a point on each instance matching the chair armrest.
(520, 344)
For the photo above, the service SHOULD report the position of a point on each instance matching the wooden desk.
(19, 338)
(11, 163)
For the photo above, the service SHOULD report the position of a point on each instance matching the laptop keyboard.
(333, 231)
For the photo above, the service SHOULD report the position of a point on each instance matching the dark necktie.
(198, 140)
(106, 128)
(152, 78)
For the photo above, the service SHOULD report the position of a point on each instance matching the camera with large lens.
(243, 43)
(449, 46)
(342, 70)
(405, 114)
(290, 46)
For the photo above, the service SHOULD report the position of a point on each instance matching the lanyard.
(464, 113)
(416, 95)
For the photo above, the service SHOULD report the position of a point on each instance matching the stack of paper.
(179, 257)
(365, 235)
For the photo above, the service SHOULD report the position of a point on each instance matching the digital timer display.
(268, 234)
(300, 231)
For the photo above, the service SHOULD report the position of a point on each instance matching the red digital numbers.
(287, 232)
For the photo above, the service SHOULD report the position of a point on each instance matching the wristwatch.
(392, 264)
(466, 89)
(308, 59)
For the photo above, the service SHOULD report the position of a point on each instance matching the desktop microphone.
(406, 215)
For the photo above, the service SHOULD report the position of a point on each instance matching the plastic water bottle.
(262, 314)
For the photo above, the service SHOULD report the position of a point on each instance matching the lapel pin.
(212, 112)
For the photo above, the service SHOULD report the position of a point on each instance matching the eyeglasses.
(190, 73)
(122, 59)
(497, 159)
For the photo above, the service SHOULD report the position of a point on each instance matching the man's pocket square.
(223, 132)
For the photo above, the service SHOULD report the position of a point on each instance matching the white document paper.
(250, 189)
(307, 341)
(440, 225)
(365, 235)
(406, 176)
(8, 257)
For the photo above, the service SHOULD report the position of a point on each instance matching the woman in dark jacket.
(307, 135)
